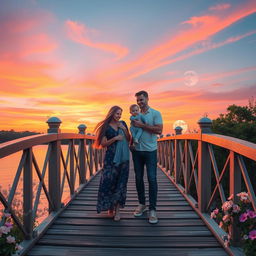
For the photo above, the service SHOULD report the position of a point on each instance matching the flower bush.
(245, 217)
(9, 243)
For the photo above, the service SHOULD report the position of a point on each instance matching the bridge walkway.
(79, 230)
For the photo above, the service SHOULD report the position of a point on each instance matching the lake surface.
(8, 169)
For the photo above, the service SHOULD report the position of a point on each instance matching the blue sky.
(76, 59)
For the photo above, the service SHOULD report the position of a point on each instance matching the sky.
(76, 59)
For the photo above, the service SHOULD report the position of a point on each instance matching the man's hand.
(138, 123)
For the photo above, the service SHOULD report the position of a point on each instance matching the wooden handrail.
(242, 147)
(198, 166)
(13, 146)
(74, 167)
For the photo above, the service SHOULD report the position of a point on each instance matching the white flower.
(10, 240)
(18, 247)
(245, 237)
(4, 230)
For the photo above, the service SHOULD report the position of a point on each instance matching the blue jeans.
(140, 159)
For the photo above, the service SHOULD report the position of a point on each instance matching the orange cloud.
(79, 33)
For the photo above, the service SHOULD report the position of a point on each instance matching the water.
(8, 169)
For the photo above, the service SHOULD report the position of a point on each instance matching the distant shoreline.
(12, 135)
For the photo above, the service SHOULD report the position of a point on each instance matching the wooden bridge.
(189, 180)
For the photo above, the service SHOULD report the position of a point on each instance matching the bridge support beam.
(82, 162)
(204, 176)
(177, 163)
(28, 194)
(54, 176)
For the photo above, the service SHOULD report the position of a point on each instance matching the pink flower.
(226, 218)
(213, 215)
(231, 197)
(244, 197)
(252, 234)
(227, 205)
(242, 194)
(243, 217)
(10, 239)
(251, 214)
(8, 224)
(216, 211)
(236, 208)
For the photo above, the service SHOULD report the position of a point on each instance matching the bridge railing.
(192, 162)
(58, 177)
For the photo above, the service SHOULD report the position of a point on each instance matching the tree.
(238, 122)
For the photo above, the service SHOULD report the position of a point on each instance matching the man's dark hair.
(144, 93)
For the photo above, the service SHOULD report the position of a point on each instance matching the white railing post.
(54, 165)
(204, 167)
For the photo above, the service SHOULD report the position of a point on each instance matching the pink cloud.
(227, 74)
(201, 20)
(20, 37)
(217, 84)
(220, 7)
(207, 47)
(79, 33)
(202, 28)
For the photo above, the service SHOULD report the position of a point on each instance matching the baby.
(136, 115)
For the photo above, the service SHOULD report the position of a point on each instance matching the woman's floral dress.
(113, 182)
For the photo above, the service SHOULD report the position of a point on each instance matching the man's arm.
(156, 129)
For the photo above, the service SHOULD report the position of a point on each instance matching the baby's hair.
(133, 106)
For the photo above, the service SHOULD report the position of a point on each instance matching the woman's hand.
(119, 137)
(120, 125)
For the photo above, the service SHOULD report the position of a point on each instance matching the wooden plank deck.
(81, 231)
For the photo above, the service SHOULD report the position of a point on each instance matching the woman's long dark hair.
(101, 127)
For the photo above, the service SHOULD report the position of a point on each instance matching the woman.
(114, 135)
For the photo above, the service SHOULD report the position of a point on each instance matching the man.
(145, 153)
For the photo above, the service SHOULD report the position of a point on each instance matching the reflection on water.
(8, 168)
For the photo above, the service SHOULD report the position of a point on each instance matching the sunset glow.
(76, 59)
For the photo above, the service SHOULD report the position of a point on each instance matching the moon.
(190, 78)
(182, 124)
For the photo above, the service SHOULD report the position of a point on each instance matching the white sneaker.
(141, 208)
(152, 217)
